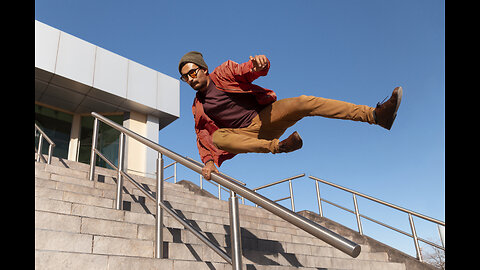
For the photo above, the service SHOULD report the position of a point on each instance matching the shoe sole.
(399, 100)
(299, 140)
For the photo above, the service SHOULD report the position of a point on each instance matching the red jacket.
(233, 78)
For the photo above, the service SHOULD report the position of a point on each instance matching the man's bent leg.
(245, 140)
(237, 140)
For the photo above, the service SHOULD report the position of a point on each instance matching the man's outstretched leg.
(286, 112)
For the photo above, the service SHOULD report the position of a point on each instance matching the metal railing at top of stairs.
(345, 245)
(410, 213)
(357, 212)
(289, 179)
(40, 141)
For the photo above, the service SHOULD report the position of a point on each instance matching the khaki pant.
(262, 135)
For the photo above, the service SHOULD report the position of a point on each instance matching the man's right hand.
(260, 62)
(208, 169)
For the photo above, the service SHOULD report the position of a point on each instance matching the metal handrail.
(349, 247)
(289, 179)
(358, 215)
(158, 198)
(43, 135)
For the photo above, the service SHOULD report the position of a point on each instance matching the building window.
(57, 125)
(107, 140)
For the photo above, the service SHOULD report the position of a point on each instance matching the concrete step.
(49, 240)
(69, 260)
(101, 175)
(98, 170)
(45, 259)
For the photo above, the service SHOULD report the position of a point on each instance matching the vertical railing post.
(35, 137)
(175, 172)
(319, 200)
(159, 210)
(357, 214)
(93, 156)
(201, 181)
(121, 154)
(235, 236)
(291, 195)
(49, 161)
(441, 231)
(415, 238)
(39, 152)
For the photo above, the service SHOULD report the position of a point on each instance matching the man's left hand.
(208, 169)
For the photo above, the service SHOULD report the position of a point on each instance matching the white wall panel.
(168, 94)
(76, 59)
(46, 46)
(142, 84)
(110, 72)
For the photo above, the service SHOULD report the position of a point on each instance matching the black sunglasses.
(192, 73)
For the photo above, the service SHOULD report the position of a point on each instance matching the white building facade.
(74, 78)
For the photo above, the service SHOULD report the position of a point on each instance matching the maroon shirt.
(230, 110)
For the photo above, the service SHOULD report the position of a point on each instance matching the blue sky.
(355, 51)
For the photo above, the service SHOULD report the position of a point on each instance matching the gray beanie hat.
(192, 57)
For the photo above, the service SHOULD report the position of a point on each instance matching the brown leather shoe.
(386, 112)
(292, 143)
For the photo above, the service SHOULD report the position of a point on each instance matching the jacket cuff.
(208, 161)
(207, 158)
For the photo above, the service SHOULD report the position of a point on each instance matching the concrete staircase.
(76, 227)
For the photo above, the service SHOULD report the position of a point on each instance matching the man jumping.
(234, 116)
